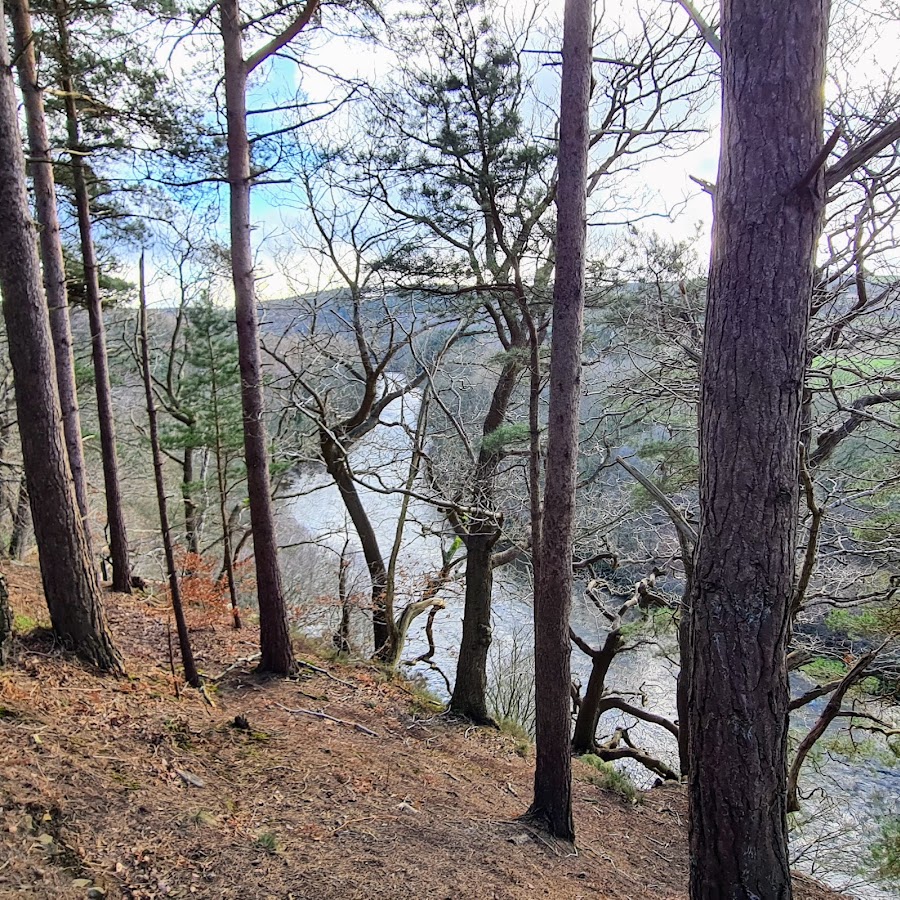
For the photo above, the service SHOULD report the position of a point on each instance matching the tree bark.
(275, 642)
(41, 165)
(6, 622)
(20, 521)
(552, 802)
(469, 698)
(769, 204)
(338, 467)
(69, 579)
(118, 536)
(584, 738)
(184, 641)
(191, 519)
(222, 490)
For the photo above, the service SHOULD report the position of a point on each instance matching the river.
(846, 795)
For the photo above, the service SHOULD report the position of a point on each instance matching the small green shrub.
(885, 851)
(24, 624)
(823, 669)
(267, 841)
(609, 778)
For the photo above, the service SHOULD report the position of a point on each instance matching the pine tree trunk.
(553, 591)
(184, 641)
(275, 642)
(41, 166)
(769, 205)
(69, 579)
(118, 536)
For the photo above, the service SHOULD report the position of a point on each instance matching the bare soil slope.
(116, 788)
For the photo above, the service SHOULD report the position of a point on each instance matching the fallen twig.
(235, 665)
(326, 673)
(321, 715)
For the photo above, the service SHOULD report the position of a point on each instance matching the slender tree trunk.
(118, 536)
(69, 579)
(6, 622)
(338, 467)
(20, 521)
(222, 486)
(41, 165)
(553, 591)
(275, 641)
(391, 651)
(191, 519)
(769, 201)
(184, 641)
(469, 698)
(341, 638)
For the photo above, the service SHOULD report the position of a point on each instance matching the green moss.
(24, 624)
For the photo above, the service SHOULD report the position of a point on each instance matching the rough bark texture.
(41, 166)
(69, 579)
(553, 591)
(275, 642)
(184, 641)
(768, 216)
(118, 536)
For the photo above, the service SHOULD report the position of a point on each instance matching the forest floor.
(115, 788)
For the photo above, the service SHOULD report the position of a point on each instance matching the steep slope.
(116, 788)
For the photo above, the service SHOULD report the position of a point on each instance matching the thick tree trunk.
(41, 165)
(184, 641)
(769, 203)
(118, 536)
(69, 579)
(469, 696)
(275, 641)
(553, 592)
(17, 539)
